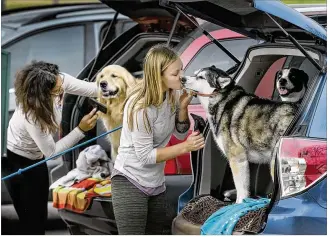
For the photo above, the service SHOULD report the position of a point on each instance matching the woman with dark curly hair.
(39, 89)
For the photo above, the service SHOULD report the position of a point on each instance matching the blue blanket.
(223, 221)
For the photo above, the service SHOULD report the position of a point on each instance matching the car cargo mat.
(200, 208)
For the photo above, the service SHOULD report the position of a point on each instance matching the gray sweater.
(137, 151)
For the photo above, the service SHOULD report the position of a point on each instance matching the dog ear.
(222, 82)
(130, 79)
(97, 79)
(303, 76)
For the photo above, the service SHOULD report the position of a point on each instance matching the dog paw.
(240, 199)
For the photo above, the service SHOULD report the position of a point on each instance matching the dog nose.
(103, 84)
(183, 80)
(282, 82)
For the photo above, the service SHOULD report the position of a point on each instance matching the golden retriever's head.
(114, 81)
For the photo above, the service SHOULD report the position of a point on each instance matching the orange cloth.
(78, 197)
(102, 189)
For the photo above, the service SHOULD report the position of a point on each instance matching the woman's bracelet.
(181, 126)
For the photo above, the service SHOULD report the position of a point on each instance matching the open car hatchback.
(211, 172)
(297, 190)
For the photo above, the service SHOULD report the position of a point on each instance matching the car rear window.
(213, 55)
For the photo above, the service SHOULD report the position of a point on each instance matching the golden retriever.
(114, 83)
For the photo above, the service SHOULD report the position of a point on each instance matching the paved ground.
(9, 221)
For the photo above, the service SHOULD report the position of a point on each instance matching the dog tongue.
(283, 91)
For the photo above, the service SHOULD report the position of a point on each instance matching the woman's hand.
(194, 142)
(88, 121)
(185, 99)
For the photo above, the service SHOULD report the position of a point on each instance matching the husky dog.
(245, 127)
(291, 84)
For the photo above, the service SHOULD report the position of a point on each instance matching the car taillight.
(302, 162)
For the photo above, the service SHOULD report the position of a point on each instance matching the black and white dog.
(291, 84)
(245, 127)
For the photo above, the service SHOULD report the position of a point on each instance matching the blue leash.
(59, 154)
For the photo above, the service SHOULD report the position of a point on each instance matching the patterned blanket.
(78, 197)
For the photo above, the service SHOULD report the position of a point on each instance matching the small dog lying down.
(114, 83)
(245, 127)
(291, 84)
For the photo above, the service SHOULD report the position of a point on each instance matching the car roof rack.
(33, 8)
(27, 16)
(54, 14)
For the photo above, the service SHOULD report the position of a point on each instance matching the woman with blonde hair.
(151, 116)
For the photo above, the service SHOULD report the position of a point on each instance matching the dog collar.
(205, 95)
